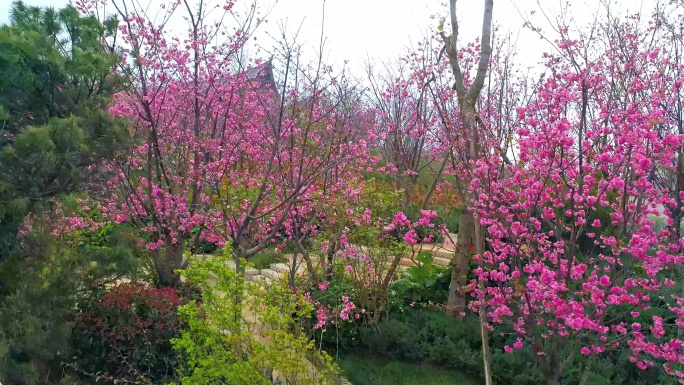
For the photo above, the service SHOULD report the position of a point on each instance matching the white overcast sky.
(382, 29)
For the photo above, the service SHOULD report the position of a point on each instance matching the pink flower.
(401, 219)
(321, 318)
(586, 351)
(323, 286)
(518, 344)
(411, 237)
(348, 307)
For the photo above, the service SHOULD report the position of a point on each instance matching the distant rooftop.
(263, 74)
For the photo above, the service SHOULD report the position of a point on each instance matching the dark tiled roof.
(263, 74)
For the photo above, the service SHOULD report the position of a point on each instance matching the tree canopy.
(56, 79)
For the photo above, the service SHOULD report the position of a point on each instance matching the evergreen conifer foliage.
(56, 80)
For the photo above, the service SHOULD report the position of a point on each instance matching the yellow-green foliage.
(226, 344)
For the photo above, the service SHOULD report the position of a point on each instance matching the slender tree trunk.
(555, 375)
(9, 239)
(300, 249)
(465, 246)
(550, 364)
(167, 261)
(406, 184)
(467, 98)
(486, 352)
(484, 331)
(330, 256)
(433, 184)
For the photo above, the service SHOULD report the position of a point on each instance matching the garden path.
(442, 255)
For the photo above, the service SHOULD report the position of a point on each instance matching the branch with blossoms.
(365, 262)
(309, 153)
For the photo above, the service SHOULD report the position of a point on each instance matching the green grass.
(362, 369)
(264, 259)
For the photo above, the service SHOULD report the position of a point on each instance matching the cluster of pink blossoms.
(401, 222)
(324, 315)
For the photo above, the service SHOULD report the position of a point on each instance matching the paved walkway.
(441, 253)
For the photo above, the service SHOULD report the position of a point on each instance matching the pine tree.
(56, 79)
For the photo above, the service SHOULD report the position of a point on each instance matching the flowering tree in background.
(222, 154)
(339, 130)
(185, 106)
(407, 129)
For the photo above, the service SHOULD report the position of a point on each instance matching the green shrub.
(425, 284)
(427, 335)
(264, 259)
(41, 287)
(124, 335)
(364, 369)
(224, 342)
(199, 246)
(36, 310)
(517, 368)
(430, 336)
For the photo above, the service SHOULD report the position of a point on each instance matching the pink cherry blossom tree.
(407, 128)
(228, 155)
(574, 253)
(315, 143)
(187, 113)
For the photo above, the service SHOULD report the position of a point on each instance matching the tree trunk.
(484, 331)
(9, 241)
(167, 261)
(550, 364)
(467, 98)
(404, 182)
(465, 245)
(300, 249)
(486, 352)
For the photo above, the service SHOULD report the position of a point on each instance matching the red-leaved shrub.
(124, 334)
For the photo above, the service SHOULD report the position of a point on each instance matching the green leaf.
(401, 284)
(425, 258)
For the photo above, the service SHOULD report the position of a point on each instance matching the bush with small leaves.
(240, 332)
(124, 334)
